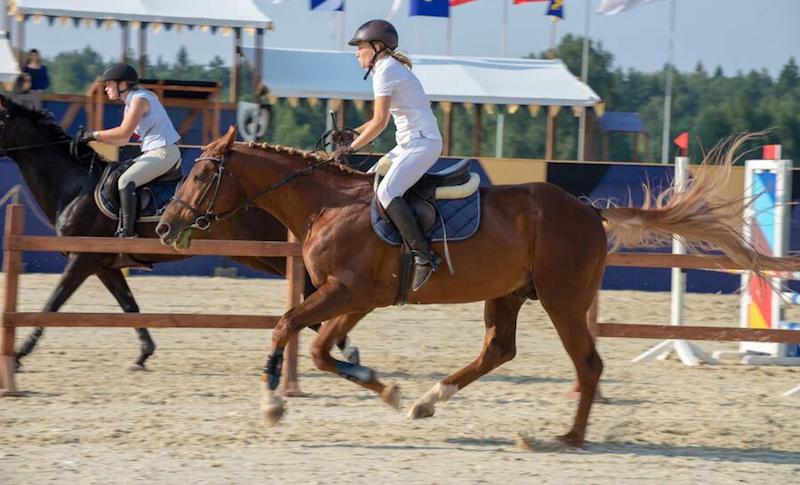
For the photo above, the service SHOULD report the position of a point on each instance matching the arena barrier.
(15, 243)
(767, 221)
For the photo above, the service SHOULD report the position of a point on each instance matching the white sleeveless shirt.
(155, 128)
(410, 108)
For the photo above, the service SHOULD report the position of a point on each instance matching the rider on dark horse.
(419, 143)
(146, 117)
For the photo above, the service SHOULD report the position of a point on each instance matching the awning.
(621, 121)
(241, 13)
(294, 73)
(9, 67)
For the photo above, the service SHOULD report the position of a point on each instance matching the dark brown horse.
(63, 186)
(535, 241)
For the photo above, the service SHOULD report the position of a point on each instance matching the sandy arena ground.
(194, 417)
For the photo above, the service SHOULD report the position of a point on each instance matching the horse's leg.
(79, 267)
(330, 300)
(115, 282)
(566, 300)
(334, 331)
(349, 351)
(499, 346)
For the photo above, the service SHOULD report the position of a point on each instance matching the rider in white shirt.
(399, 93)
(146, 117)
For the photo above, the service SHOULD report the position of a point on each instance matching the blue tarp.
(620, 121)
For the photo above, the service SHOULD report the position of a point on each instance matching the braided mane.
(306, 154)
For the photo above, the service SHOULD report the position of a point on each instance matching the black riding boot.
(425, 260)
(128, 203)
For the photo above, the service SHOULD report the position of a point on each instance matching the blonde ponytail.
(403, 59)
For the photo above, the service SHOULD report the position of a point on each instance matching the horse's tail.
(704, 219)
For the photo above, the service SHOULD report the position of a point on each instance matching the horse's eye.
(199, 178)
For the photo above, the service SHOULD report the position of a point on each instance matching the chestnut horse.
(535, 241)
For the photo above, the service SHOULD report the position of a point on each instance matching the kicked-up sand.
(194, 417)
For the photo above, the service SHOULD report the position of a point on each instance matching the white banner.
(611, 7)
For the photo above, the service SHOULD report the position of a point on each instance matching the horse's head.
(18, 124)
(209, 191)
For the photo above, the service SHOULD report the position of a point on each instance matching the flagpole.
(668, 87)
(585, 79)
(505, 28)
(450, 35)
(553, 21)
(341, 30)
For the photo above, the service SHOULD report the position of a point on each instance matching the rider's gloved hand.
(341, 153)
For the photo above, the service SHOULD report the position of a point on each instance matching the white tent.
(294, 73)
(9, 68)
(241, 13)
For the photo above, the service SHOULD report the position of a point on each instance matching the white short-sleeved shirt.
(410, 108)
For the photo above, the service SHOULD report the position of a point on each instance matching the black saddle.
(152, 196)
(422, 195)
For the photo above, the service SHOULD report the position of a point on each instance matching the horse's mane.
(47, 125)
(306, 154)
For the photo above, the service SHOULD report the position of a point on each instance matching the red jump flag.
(682, 141)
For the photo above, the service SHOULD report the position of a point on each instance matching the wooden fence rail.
(15, 243)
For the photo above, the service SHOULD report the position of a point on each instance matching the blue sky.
(735, 34)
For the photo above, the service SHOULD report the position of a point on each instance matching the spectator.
(40, 81)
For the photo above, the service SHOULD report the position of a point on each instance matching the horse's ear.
(229, 137)
(222, 144)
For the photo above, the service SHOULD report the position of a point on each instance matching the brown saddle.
(421, 197)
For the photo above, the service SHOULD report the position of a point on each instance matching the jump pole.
(688, 353)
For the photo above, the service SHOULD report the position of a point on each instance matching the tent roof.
(241, 13)
(336, 75)
(622, 121)
(9, 68)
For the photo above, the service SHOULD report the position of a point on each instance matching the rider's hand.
(341, 153)
(87, 137)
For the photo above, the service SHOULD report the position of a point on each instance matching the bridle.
(204, 219)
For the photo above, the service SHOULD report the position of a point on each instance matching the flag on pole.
(555, 9)
(520, 2)
(327, 5)
(396, 4)
(682, 141)
(429, 8)
(611, 7)
(456, 3)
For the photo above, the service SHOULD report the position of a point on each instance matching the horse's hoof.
(391, 396)
(273, 414)
(571, 439)
(420, 410)
(137, 367)
(351, 355)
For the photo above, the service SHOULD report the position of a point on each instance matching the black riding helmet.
(376, 31)
(121, 72)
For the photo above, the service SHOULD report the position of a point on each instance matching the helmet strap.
(374, 58)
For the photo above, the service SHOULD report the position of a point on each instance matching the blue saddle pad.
(461, 220)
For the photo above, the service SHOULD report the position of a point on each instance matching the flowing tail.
(699, 214)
